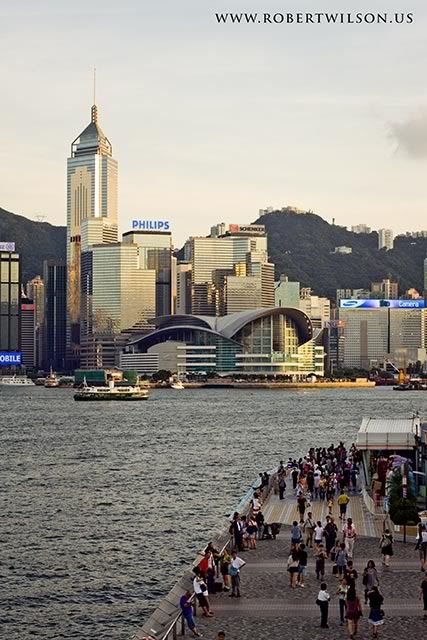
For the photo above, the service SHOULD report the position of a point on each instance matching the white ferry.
(129, 392)
(52, 380)
(16, 381)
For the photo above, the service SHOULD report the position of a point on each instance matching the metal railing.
(177, 626)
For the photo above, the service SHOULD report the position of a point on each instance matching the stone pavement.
(269, 608)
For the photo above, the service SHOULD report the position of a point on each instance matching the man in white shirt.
(323, 602)
(349, 535)
(234, 570)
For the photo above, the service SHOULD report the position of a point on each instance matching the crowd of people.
(322, 475)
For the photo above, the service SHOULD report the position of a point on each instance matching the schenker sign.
(10, 358)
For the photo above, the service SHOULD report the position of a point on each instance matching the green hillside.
(301, 246)
(35, 241)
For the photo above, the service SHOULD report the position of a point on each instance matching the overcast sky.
(211, 122)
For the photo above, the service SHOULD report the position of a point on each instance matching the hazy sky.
(211, 122)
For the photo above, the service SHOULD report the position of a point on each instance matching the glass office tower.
(91, 193)
(10, 298)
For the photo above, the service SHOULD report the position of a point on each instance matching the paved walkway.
(269, 608)
(285, 511)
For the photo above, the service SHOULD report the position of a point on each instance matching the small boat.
(51, 381)
(129, 392)
(16, 381)
(177, 385)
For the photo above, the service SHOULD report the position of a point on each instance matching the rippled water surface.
(102, 505)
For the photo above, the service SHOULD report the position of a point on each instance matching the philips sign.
(10, 358)
(382, 304)
(151, 225)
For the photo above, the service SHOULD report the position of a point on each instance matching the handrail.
(243, 506)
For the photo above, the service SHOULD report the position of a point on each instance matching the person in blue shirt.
(187, 613)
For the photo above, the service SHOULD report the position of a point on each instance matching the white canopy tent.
(394, 434)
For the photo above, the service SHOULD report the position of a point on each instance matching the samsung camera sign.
(10, 358)
(151, 225)
(381, 304)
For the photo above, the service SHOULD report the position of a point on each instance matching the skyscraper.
(28, 332)
(91, 193)
(54, 277)
(35, 291)
(155, 252)
(10, 295)
(116, 295)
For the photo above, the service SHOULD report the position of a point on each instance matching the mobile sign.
(10, 358)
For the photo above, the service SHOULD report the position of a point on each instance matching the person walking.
(342, 596)
(308, 528)
(187, 613)
(293, 567)
(236, 529)
(341, 558)
(370, 578)
(330, 531)
(349, 535)
(421, 545)
(353, 610)
(234, 570)
(376, 614)
(423, 594)
(282, 486)
(296, 535)
(318, 534)
(301, 504)
(323, 598)
(343, 501)
(320, 556)
(224, 566)
(386, 546)
(302, 567)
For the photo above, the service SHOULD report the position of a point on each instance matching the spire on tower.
(94, 109)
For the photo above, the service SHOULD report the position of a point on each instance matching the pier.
(270, 608)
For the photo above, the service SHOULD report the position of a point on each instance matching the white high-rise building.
(385, 239)
(91, 193)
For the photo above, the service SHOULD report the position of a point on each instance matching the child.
(320, 556)
(341, 559)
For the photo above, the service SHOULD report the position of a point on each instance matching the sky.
(211, 122)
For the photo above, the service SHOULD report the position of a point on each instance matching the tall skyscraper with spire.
(91, 193)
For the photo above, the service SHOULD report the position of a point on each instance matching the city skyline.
(213, 136)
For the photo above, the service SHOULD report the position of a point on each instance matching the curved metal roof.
(149, 336)
(231, 324)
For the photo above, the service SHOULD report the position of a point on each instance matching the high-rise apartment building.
(28, 333)
(10, 296)
(35, 291)
(386, 289)
(155, 252)
(54, 330)
(385, 239)
(425, 278)
(116, 295)
(91, 193)
(317, 308)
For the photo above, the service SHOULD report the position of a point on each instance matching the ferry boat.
(177, 385)
(129, 392)
(51, 381)
(16, 381)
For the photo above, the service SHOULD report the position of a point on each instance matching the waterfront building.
(374, 335)
(35, 291)
(361, 228)
(91, 193)
(386, 289)
(116, 295)
(385, 239)
(156, 253)
(10, 296)
(354, 294)
(425, 279)
(256, 342)
(54, 329)
(28, 332)
(286, 293)
(218, 230)
(183, 288)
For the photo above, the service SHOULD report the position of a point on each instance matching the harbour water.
(103, 505)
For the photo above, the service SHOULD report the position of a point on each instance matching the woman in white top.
(318, 533)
